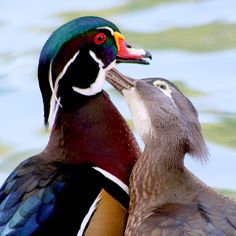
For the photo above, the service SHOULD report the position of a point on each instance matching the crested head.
(60, 53)
(74, 29)
(76, 56)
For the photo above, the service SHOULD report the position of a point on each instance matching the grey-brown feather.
(173, 118)
(166, 198)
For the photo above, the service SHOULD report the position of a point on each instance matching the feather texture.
(54, 198)
(165, 197)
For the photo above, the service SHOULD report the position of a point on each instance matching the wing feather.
(44, 198)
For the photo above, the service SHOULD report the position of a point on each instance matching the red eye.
(99, 38)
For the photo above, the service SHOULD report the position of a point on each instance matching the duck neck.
(90, 130)
(165, 155)
(157, 171)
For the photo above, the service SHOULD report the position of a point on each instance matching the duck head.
(161, 113)
(76, 56)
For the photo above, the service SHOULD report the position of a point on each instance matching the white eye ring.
(163, 86)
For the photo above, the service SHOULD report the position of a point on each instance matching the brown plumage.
(166, 198)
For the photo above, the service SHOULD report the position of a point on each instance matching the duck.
(165, 197)
(77, 185)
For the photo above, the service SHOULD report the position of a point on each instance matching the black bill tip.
(140, 59)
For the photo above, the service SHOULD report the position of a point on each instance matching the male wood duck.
(78, 184)
(166, 198)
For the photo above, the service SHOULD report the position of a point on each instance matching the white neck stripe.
(113, 178)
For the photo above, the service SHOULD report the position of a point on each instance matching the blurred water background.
(193, 43)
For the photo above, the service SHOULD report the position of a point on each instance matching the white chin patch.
(98, 85)
(140, 115)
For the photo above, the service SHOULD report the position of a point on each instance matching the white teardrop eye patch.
(163, 86)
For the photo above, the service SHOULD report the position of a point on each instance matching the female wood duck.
(78, 184)
(166, 198)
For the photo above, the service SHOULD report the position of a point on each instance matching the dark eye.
(163, 86)
(99, 38)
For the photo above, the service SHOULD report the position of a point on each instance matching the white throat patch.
(139, 113)
(98, 85)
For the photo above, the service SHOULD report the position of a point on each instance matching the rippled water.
(179, 15)
(24, 28)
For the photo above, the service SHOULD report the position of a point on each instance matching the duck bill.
(127, 54)
(118, 80)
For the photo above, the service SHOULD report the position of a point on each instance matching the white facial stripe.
(88, 215)
(107, 28)
(93, 55)
(98, 85)
(54, 98)
(113, 179)
(54, 88)
(66, 67)
(167, 93)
